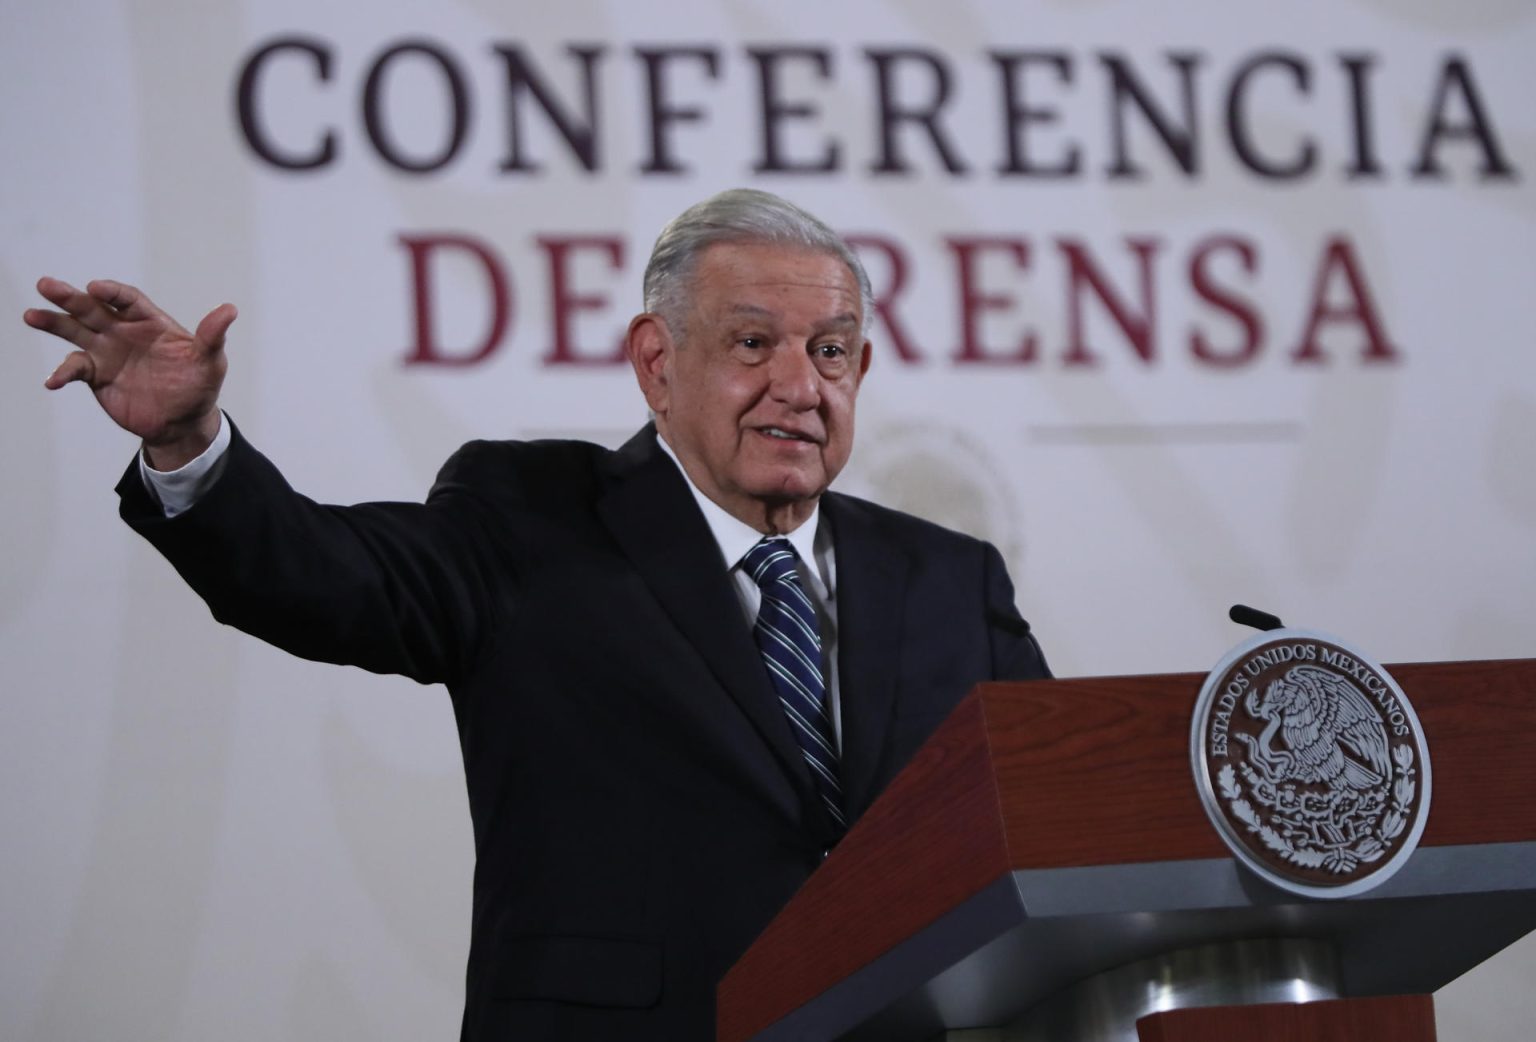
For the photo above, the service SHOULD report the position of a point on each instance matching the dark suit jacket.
(640, 807)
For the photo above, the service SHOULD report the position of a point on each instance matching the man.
(666, 719)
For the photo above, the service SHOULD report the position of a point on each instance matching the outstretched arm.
(151, 376)
(392, 587)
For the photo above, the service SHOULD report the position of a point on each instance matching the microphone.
(1259, 620)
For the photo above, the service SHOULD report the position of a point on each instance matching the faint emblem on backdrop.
(1311, 763)
(940, 473)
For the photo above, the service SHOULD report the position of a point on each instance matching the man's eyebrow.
(847, 318)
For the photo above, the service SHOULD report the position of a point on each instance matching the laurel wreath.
(1369, 849)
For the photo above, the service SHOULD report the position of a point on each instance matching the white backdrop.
(205, 838)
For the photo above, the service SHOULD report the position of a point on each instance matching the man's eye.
(751, 341)
(830, 350)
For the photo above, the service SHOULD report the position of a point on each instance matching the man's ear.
(864, 358)
(648, 346)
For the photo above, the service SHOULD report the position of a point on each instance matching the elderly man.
(678, 669)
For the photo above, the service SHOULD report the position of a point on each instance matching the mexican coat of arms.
(1311, 763)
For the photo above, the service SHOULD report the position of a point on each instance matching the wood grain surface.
(1393, 1018)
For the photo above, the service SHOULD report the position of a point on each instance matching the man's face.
(756, 393)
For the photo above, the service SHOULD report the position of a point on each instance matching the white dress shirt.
(176, 490)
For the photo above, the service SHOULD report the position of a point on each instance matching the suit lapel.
(871, 590)
(652, 516)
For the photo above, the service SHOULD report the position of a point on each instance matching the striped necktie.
(790, 641)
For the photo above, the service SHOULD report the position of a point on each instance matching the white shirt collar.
(734, 536)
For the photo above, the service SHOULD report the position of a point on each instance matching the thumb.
(215, 324)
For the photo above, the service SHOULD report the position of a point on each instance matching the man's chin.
(786, 487)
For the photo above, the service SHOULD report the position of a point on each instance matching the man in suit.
(678, 670)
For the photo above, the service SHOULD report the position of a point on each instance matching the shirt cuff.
(178, 490)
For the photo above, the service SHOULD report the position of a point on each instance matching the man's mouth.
(784, 435)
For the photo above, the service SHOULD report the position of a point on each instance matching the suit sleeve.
(391, 587)
(1016, 655)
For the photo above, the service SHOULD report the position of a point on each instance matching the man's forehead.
(745, 264)
(765, 280)
(744, 309)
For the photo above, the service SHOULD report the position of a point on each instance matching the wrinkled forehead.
(769, 278)
(847, 320)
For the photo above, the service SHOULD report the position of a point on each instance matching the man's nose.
(795, 380)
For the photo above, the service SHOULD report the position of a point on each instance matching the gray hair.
(739, 215)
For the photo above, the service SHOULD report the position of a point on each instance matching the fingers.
(55, 290)
(77, 365)
(215, 324)
(121, 314)
(62, 326)
(123, 298)
(83, 307)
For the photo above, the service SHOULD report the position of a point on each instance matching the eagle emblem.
(1311, 763)
(1333, 735)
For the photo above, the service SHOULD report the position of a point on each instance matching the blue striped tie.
(790, 640)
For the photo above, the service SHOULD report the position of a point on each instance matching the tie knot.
(770, 561)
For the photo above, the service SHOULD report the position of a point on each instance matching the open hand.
(152, 377)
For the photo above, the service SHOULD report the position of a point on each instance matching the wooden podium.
(1050, 832)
